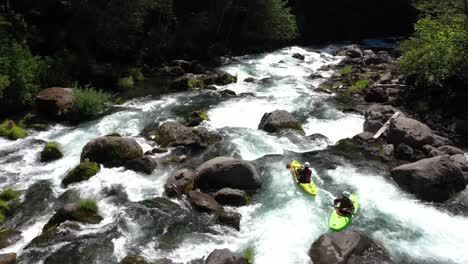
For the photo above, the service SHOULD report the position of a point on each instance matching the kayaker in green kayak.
(344, 206)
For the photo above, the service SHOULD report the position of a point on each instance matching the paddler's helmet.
(307, 165)
(346, 194)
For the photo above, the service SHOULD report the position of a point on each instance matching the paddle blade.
(288, 166)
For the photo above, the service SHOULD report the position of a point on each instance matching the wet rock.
(404, 152)
(459, 205)
(111, 151)
(204, 203)
(231, 219)
(175, 134)
(9, 237)
(187, 82)
(298, 56)
(82, 172)
(364, 136)
(144, 164)
(227, 172)
(73, 212)
(225, 79)
(376, 95)
(180, 182)
(177, 159)
(196, 68)
(278, 120)
(376, 116)
(195, 118)
(159, 150)
(352, 51)
(317, 137)
(52, 151)
(441, 141)
(224, 256)
(449, 150)
(11, 131)
(8, 258)
(228, 196)
(347, 247)
(409, 131)
(134, 259)
(249, 80)
(53, 101)
(433, 179)
(426, 149)
(228, 92)
(70, 196)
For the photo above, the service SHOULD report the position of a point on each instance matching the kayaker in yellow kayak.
(344, 206)
(304, 173)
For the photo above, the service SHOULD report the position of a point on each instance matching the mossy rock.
(10, 130)
(195, 118)
(126, 82)
(347, 145)
(82, 172)
(38, 127)
(210, 87)
(159, 150)
(9, 237)
(249, 255)
(325, 68)
(114, 135)
(46, 236)
(160, 203)
(134, 259)
(75, 212)
(52, 151)
(194, 83)
(359, 86)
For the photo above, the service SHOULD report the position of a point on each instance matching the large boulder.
(376, 116)
(228, 196)
(450, 150)
(82, 172)
(409, 131)
(278, 120)
(111, 151)
(347, 247)
(145, 164)
(352, 51)
(224, 256)
(459, 160)
(227, 172)
(204, 203)
(433, 179)
(376, 95)
(175, 134)
(231, 219)
(53, 101)
(73, 212)
(134, 259)
(9, 237)
(8, 258)
(180, 182)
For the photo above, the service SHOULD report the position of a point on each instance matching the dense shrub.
(437, 52)
(89, 205)
(89, 102)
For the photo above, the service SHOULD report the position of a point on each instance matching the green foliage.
(136, 74)
(358, 86)
(346, 70)
(249, 255)
(19, 75)
(89, 102)
(126, 82)
(194, 83)
(279, 23)
(10, 130)
(437, 52)
(89, 205)
(9, 194)
(440, 9)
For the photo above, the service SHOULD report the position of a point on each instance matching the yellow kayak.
(309, 188)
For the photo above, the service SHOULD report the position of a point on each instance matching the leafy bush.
(89, 205)
(89, 102)
(437, 52)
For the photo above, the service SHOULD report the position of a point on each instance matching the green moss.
(4, 206)
(195, 118)
(194, 83)
(325, 68)
(10, 130)
(126, 82)
(249, 255)
(159, 150)
(346, 70)
(40, 127)
(2, 218)
(89, 205)
(52, 151)
(46, 236)
(9, 194)
(358, 86)
(136, 74)
(82, 172)
(211, 87)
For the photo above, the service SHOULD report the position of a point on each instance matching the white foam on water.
(345, 126)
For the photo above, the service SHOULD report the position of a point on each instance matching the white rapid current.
(281, 223)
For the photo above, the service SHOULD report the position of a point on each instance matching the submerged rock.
(298, 56)
(111, 151)
(82, 172)
(228, 196)
(227, 172)
(347, 247)
(278, 120)
(231, 219)
(52, 151)
(145, 164)
(180, 182)
(55, 101)
(433, 179)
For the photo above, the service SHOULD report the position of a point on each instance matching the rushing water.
(282, 222)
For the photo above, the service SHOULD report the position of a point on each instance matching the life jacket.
(305, 175)
(344, 203)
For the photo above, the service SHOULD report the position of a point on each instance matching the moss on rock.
(82, 172)
(134, 259)
(52, 151)
(126, 82)
(10, 130)
(194, 83)
(195, 118)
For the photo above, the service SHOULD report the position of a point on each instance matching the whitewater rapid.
(281, 223)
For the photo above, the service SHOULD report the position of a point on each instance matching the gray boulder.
(352, 51)
(175, 134)
(409, 131)
(376, 116)
(145, 164)
(347, 247)
(228, 196)
(224, 256)
(180, 182)
(9, 237)
(8, 258)
(204, 203)
(433, 179)
(278, 120)
(227, 172)
(441, 141)
(111, 151)
(449, 150)
(52, 101)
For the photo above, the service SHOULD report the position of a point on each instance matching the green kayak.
(338, 222)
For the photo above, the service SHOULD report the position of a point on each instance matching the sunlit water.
(282, 222)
